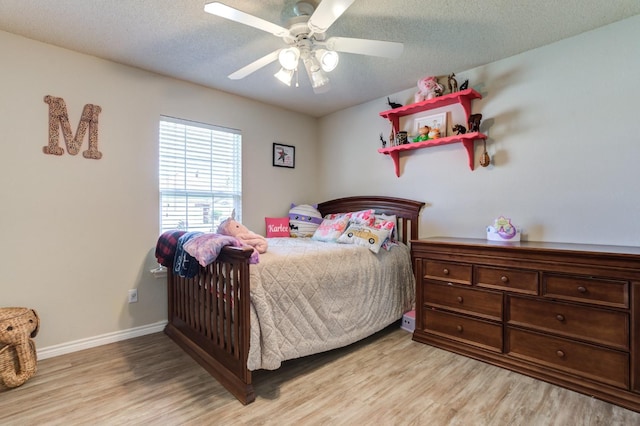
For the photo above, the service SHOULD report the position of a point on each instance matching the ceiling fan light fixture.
(328, 59)
(285, 76)
(319, 80)
(289, 57)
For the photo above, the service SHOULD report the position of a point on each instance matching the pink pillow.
(277, 227)
(330, 229)
(362, 217)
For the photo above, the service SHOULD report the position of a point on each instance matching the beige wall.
(77, 234)
(563, 136)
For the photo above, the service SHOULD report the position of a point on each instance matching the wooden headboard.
(406, 211)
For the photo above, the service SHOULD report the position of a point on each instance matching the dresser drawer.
(512, 280)
(596, 291)
(603, 365)
(581, 322)
(450, 272)
(467, 330)
(481, 303)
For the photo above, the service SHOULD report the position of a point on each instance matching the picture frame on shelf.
(284, 155)
(434, 121)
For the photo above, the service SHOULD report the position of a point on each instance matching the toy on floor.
(18, 360)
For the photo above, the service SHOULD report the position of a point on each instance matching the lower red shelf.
(467, 140)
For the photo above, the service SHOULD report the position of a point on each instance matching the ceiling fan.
(306, 40)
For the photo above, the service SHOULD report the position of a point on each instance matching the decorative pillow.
(365, 236)
(362, 217)
(277, 226)
(382, 221)
(304, 219)
(330, 229)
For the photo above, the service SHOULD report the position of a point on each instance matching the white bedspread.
(308, 297)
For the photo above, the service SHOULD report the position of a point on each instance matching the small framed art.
(436, 121)
(284, 155)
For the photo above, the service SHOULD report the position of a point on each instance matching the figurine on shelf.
(459, 129)
(384, 143)
(393, 105)
(452, 83)
(474, 122)
(428, 88)
(434, 133)
(464, 85)
(423, 134)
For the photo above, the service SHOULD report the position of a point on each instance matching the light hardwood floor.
(385, 380)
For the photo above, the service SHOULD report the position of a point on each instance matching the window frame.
(199, 174)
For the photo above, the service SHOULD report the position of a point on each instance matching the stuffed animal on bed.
(304, 219)
(235, 229)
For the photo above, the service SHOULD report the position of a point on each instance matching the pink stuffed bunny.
(428, 88)
(235, 229)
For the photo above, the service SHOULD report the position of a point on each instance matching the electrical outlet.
(133, 295)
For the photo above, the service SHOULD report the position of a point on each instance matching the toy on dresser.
(503, 230)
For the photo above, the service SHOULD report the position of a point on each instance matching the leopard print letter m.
(58, 118)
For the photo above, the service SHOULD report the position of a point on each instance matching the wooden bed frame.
(209, 314)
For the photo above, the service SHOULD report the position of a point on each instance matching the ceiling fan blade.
(360, 46)
(224, 11)
(326, 14)
(255, 66)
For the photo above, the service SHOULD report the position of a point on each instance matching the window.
(200, 175)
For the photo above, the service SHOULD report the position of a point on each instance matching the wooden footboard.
(209, 315)
(209, 319)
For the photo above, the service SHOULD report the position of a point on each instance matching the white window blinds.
(200, 175)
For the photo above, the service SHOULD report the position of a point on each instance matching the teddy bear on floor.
(428, 88)
(235, 229)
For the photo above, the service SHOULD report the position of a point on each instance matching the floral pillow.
(384, 221)
(362, 217)
(330, 229)
(365, 236)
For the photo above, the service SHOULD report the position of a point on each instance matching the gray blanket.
(308, 297)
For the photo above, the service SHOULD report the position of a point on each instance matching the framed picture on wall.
(435, 121)
(284, 155)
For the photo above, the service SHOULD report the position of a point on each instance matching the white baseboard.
(92, 342)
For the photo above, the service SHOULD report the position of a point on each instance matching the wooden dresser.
(568, 314)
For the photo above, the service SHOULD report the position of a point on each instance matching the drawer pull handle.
(504, 279)
(459, 299)
(445, 271)
(560, 353)
(560, 317)
(582, 289)
(459, 328)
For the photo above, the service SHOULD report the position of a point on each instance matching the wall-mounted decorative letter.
(58, 118)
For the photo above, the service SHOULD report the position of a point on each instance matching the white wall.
(563, 137)
(76, 233)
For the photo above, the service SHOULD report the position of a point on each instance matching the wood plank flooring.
(385, 380)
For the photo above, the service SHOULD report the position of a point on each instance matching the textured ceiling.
(177, 38)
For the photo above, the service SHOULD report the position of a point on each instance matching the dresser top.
(533, 245)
